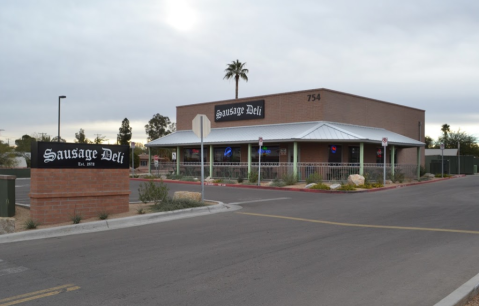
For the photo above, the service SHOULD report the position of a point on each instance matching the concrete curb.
(300, 189)
(463, 294)
(106, 225)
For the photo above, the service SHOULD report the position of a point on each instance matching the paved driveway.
(408, 246)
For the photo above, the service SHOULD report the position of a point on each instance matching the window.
(143, 163)
(227, 155)
(379, 155)
(268, 154)
(354, 154)
(192, 155)
(335, 153)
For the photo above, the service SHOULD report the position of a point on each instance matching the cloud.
(117, 59)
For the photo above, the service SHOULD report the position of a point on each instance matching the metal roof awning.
(316, 131)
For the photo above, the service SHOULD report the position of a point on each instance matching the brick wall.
(58, 194)
(333, 106)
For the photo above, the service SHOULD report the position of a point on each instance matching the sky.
(132, 59)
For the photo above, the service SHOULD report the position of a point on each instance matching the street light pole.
(59, 98)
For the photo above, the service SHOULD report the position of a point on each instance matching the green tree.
(454, 139)
(124, 135)
(7, 156)
(80, 137)
(55, 139)
(445, 129)
(429, 142)
(236, 70)
(157, 127)
(24, 148)
(99, 139)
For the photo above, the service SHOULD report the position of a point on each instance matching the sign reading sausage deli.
(79, 155)
(239, 111)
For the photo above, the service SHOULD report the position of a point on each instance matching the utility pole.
(43, 136)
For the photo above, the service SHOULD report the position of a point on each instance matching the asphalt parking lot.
(407, 246)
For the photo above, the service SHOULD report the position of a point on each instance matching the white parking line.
(255, 201)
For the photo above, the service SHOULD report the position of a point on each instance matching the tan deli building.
(318, 130)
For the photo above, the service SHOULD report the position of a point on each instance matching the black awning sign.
(239, 111)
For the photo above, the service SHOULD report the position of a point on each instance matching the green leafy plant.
(30, 224)
(278, 183)
(153, 192)
(240, 179)
(103, 215)
(218, 181)
(347, 187)
(253, 177)
(314, 178)
(290, 179)
(140, 211)
(76, 218)
(170, 204)
(321, 187)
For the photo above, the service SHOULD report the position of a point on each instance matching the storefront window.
(335, 153)
(191, 155)
(380, 158)
(354, 154)
(379, 155)
(268, 154)
(227, 155)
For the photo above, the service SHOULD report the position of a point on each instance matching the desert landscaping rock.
(7, 225)
(334, 186)
(356, 180)
(428, 176)
(195, 196)
(310, 185)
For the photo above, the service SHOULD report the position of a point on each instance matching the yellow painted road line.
(364, 225)
(37, 295)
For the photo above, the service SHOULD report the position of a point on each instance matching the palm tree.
(236, 69)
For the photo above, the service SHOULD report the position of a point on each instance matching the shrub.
(174, 176)
(314, 178)
(140, 211)
(76, 219)
(290, 179)
(253, 177)
(321, 187)
(240, 180)
(30, 224)
(218, 181)
(174, 204)
(278, 183)
(347, 187)
(103, 215)
(188, 179)
(153, 192)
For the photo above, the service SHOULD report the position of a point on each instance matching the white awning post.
(385, 144)
(260, 142)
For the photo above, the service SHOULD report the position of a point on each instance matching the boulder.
(310, 185)
(195, 196)
(388, 182)
(7, 225)
(355, 180)
(429, 176)
(335, 186)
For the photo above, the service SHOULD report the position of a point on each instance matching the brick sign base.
(56, 195)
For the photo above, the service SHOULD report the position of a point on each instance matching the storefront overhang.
(316, 131)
